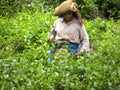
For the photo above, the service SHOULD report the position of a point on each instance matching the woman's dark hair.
(75, 14)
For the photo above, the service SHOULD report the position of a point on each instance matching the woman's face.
(68, 16)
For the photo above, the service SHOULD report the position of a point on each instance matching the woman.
(69, 30)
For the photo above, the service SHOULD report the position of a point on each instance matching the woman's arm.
(51, 35)
(84, 40)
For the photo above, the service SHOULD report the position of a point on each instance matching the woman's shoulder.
(75, 20)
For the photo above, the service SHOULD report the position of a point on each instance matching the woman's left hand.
(79, 53)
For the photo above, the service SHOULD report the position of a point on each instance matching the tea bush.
(24, 61)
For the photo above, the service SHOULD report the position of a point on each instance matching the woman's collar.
(72, 21)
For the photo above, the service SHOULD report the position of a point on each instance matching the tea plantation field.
(24, 61)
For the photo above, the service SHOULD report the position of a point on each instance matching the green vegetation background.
(24, 61)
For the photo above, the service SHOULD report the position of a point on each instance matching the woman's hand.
(79, 53)
(50, 38)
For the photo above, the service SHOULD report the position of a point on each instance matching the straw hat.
(65, 6)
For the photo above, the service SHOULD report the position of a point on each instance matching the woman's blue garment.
(73, 49)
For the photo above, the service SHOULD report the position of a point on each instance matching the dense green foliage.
(24, 61)
(89, 9)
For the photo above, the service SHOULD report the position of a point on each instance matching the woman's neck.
(67, 21)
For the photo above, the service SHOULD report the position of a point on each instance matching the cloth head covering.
(65, 6)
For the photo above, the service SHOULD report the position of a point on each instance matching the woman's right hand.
(49, 40)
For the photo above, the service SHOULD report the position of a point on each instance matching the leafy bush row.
(24, 61)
